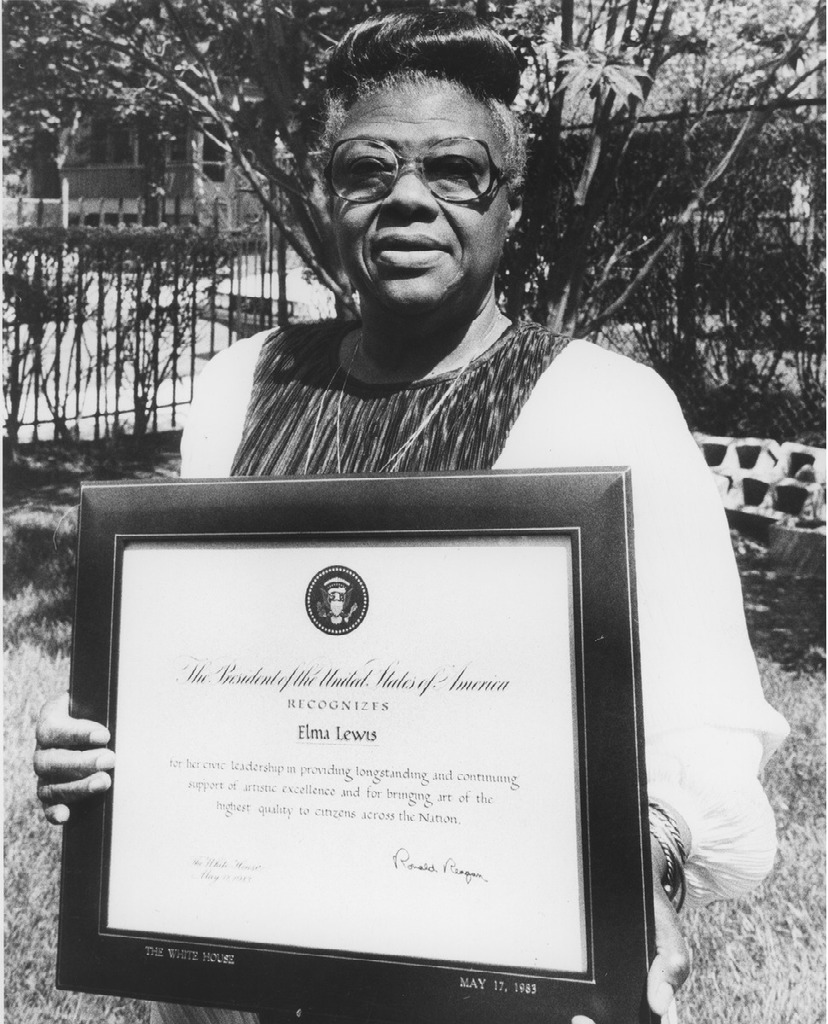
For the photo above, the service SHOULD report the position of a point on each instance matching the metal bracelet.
(666, 833)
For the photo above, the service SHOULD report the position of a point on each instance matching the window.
(97, 143)
(178, 149)
(119, 145)
(110, 144)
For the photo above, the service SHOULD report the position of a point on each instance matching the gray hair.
(508, 124)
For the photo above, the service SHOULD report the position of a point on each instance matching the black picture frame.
(590, 506)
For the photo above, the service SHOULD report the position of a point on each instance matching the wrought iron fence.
(733, 316)
(105, 330)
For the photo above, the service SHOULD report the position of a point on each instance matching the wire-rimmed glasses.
(459, 170)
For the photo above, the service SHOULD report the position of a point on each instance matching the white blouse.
(708, 729)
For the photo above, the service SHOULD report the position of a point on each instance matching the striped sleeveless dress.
(307, 415)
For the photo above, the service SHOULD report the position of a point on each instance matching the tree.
(59, 69)
(252, 68)
(50, 76)
(602, 67)
(250, 73)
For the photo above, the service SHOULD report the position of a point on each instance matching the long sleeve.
(216, 416)
(708, 729)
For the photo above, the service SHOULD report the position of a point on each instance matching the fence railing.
(218, 212)
(105, 330)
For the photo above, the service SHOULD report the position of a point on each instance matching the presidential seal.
(336, 600)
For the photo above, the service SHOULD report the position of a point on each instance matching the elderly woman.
(424, 166)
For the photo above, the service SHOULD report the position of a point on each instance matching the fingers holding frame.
(70, 760)
(57, 728)
(673, 961)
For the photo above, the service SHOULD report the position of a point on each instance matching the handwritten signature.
(403, 860)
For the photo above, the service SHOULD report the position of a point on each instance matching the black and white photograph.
(414, 511)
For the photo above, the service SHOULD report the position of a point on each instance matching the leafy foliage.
(732, 316)
(250, 70)
(251, 73)
(601, 77)
(50, 74)
(600, 69)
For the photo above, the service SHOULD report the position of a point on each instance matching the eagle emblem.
(336, 600)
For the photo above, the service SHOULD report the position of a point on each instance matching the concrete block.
(789, 496)
(759, 455)
(754, 490)
(794, 458)
(781, 483)
(714, 449)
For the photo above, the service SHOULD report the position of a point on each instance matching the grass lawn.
(757, 961)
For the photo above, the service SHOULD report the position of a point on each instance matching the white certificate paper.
(407, 787)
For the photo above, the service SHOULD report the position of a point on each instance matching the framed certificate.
(379, 748)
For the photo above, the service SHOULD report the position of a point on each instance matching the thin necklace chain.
(322, 405)
(392, 462)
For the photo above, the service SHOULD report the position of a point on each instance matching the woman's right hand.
(71, 760)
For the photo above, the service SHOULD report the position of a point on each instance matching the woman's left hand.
(672, 964)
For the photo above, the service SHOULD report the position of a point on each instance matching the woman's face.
(410, 253)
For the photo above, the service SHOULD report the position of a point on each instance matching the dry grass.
(758, 961)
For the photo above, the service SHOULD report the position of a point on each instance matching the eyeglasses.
(454, 170)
